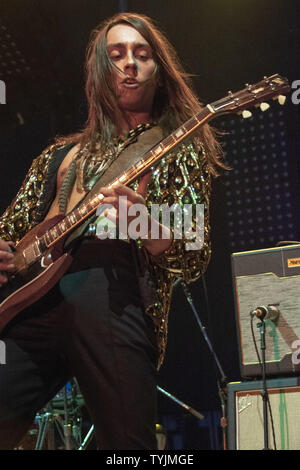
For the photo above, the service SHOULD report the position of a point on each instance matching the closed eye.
(115, 55)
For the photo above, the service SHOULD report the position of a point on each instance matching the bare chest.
(72, 196)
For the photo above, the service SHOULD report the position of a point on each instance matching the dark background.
(225, 44)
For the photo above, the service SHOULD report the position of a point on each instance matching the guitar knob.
(264, 106)
(281, 99)
(246, 114)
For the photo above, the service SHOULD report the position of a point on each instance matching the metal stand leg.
(43, 421)
(87, 439)
(54, 427)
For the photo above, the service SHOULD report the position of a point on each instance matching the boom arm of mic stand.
(202, 328)
(187, 407)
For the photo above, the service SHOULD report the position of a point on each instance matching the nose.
(130, 66)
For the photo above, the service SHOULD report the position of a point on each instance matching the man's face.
(134, 73)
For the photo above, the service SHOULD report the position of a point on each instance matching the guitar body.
(32, 279)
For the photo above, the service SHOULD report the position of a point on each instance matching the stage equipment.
(267, 286)
(222, 380)
(60, 422)
(245, 415)
(60, 425)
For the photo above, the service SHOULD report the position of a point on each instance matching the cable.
(268, 400)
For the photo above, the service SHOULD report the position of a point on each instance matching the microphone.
(266, 312)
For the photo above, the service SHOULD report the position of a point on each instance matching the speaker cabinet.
(265, 277)
(245, 425)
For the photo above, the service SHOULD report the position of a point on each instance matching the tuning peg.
(246, 114)
(264, 106)
(281, 99)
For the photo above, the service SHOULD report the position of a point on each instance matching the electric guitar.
(40, 258)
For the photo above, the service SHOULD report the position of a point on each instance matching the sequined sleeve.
(23, 212)
(184, 179)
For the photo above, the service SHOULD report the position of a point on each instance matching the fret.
(140, 165)
(89, 206)
(82, 209)
(168, 147)
(71, 218)
(58, 229)
(157, 150)
(53, 233)
(48, 238)
(149, 156)
(42, 243)
(98, 198)
(179, 133)
(62, 226)
(169, 141)
(185, 130)
(190, 125)
(36, 248)
(77, 215)
(122, 178)
(67, 223)
(94, 202)
(151, 160)
(133, 173)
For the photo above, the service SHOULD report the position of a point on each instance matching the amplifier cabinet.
(265, 277)
(245, 426)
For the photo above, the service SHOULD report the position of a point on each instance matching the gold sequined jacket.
(182, 177)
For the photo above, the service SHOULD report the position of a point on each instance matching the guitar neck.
(77, 216)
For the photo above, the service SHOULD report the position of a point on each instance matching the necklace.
(88, 166)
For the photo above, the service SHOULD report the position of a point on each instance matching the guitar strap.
(127, 158)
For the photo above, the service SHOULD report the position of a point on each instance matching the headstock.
(273, 87)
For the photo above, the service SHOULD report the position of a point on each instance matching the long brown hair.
(174, 103)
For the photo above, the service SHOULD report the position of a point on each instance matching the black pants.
(90, 326)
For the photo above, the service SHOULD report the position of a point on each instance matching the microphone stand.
(264, 392)
(224, 380)
(67, 424)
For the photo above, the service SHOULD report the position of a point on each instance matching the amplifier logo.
(244, 402)
(293, 262)
(296, 354)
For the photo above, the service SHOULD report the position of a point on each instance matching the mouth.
(130, 83)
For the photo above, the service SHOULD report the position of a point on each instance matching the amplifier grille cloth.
(285, 404)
